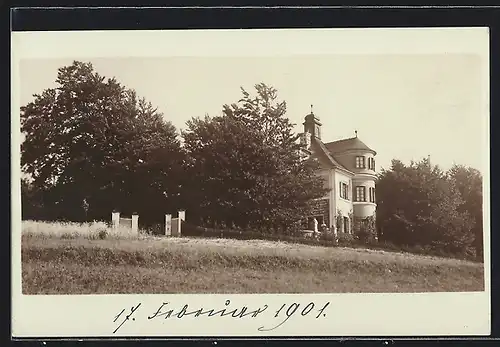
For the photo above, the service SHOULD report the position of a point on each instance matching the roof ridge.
(346, 144)
(336, 141)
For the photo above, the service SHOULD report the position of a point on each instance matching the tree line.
(92, 145)
(421, 205)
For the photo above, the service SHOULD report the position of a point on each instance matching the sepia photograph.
(305, 173)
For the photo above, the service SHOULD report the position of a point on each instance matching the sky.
(404, 107)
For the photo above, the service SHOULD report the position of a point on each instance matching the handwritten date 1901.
(283, 314)
(294, 308)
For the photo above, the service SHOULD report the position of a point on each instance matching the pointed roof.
(347, 144)
(320, 148)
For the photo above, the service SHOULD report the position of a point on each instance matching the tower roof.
(311, 118)
(348, 144)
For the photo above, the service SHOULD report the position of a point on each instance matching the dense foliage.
(246, 169)
(91, 145)
(419, 204)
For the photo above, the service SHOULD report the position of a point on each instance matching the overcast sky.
(403, 106)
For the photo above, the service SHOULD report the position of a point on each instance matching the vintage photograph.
(339, 173)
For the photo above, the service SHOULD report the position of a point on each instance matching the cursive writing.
(127, 317)
(292, 309)
(240, 312)
(282, 315)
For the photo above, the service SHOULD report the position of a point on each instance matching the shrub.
(102, 234)
(329, 237)
(346, 239)
(365, 229)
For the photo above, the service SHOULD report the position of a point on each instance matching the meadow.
(70, 258)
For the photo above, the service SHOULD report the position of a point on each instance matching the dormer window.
(360, 162)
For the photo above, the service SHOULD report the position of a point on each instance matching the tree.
(419, 205)
(246, 166)
(469, 183)
(91, 145)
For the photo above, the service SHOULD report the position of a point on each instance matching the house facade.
(348, 169)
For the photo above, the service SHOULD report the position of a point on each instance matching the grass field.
(72, 259)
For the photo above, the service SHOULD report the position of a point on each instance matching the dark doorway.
(346, 225)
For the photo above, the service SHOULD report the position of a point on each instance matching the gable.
(326, 159)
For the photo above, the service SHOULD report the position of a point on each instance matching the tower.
(312, 125)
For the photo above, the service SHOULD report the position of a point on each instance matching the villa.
(348, 169)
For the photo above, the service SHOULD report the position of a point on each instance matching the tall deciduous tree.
(246, 165)
(92, 145)
(469, 183)
(419, 205)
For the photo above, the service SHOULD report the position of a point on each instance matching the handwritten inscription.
(292, 309)
(279, 316)
(127, 317)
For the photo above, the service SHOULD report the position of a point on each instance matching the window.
(346, 225)
(344, 191)
(317, 131)
(360, 193)
(360, 162)
(371, 163)
(372, 194)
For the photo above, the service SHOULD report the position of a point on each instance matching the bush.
(102, 234)
(329, 237)
(346, 239)
(365, 229)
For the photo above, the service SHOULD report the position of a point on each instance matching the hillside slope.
(184, 265)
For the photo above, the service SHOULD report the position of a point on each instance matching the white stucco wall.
(364, 209)
(325, 175)
(345, 206)
(363, 177)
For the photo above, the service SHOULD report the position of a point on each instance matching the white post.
(135, 223)
(115, 218)
(182, 215)
(179, 227)
(315, 221)
(168, 224)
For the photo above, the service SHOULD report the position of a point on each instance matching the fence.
(173, 226)
(132, 223)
